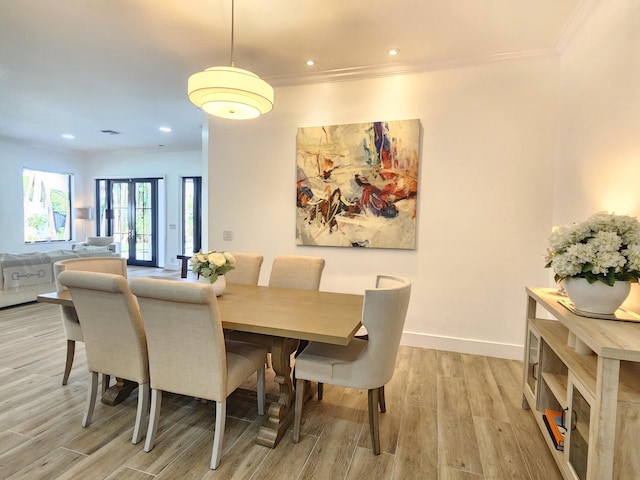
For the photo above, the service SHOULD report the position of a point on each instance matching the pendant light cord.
(232, 23)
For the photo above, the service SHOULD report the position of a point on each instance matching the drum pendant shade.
(230, 92)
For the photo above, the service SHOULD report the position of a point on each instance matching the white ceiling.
(82, 66)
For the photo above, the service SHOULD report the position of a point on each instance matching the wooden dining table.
(284, 317)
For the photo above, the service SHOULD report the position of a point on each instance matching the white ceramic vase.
(219, 286)
(597, 297)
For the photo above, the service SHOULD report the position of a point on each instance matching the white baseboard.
(463, 345)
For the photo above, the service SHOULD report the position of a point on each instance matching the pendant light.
(230, 92)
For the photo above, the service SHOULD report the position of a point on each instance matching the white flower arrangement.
(212, 264)
(605, 248)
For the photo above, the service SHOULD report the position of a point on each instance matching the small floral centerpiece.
(604, 248)
(212, 264)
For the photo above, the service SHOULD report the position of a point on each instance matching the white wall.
(485, 198)
(171, 166)
(15, 156)
(599, 160)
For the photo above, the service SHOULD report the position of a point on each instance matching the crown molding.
(578, 18)
(373, 71)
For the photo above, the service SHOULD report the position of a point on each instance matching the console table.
(590, 369)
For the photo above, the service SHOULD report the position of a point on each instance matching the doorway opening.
(128, 210)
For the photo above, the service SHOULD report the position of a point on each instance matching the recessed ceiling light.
(165, 129)
(68, 136)
(310, 63)
(393, 52)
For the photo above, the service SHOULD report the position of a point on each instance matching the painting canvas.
(357, 184)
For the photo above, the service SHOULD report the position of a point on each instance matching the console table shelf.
(558, 386)
(590, 368)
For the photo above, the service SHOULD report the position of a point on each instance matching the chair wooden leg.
(91, 399)
(156, 403)
(383, 404)
(218, 436)
(374, 425)
(262, 396)
(141, 414)
(71, 350)
(301, 346)
(320, 390)
(297, 414)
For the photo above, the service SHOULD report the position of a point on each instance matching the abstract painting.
(357, 184)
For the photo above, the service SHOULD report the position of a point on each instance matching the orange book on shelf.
(554, 420)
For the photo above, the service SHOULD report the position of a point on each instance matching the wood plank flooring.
(449, 416)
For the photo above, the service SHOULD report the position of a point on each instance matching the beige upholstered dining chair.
(113, 334)
(247, 270)
(188, 354)
(363, 364)
(296, 271)
(115, 265)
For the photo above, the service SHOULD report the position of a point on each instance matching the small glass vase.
(219, 286)
(597, 297)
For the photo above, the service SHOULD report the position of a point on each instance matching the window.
(47, 206)
(191, 214)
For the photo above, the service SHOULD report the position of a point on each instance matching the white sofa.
(23, 276)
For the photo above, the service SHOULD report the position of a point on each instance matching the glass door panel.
(143, 233)
(532, 361)
(191, 215)
(579, 435)
(120, 215)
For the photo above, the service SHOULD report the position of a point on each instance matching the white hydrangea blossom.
(632, 252)
(605, 247)
(604, 261)
(606, 242)
(564, 266)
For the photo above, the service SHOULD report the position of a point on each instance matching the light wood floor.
(449, 416)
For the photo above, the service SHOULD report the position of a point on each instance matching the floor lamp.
(83, 214)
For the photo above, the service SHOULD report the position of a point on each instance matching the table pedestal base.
(118, 392)
(274, 427)
(280, 412)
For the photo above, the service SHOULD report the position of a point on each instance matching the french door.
(129, 211)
